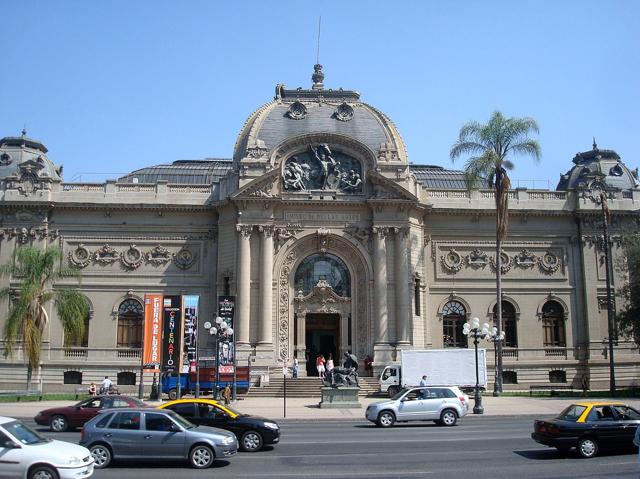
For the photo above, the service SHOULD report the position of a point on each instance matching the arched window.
(130, 322)
(508, 324)
(326, 267)
(454, 315)
(553, 324)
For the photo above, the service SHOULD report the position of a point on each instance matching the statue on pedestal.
(347, 375)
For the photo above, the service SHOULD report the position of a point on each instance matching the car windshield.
(401, 393)
(24, 433)
(180, 420)
(232, 410)
(572, 413)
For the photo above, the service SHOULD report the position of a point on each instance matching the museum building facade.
(331, 241)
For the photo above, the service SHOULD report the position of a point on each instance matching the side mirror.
(9, 444)
(175, 428)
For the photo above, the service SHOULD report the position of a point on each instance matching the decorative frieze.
(131, 258)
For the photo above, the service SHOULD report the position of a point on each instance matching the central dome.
(294, 113)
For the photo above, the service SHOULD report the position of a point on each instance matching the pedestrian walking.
(296, 367)
(226, 394)
(105, 385)
(329, 366)
(320, 365)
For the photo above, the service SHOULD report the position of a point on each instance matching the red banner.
(152, 332)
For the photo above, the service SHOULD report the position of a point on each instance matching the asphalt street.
(487, 447)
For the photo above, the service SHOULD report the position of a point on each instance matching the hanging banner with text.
(226, 348)
(152, 332)
(171, 334)
(190, 341)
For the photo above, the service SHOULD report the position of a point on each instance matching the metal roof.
(436, 177)
(191, 172)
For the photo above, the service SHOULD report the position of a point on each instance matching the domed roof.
(20, 154)
(598, 165)
(298, 112)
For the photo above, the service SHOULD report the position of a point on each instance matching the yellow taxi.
(253, 432)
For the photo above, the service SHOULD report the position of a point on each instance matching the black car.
(589, 427)
(252, 432)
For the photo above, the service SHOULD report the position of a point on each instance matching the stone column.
(266, 285)
(403, 296)
(381, 314)
(243, 285)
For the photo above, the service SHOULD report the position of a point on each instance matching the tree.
(628, 318)
(489, 147)
(38, 271)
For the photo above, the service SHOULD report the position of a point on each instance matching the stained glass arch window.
(326, 267)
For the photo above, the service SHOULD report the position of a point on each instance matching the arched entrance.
(322, 298)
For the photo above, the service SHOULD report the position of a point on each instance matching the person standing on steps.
(320, 365)
(329, 366)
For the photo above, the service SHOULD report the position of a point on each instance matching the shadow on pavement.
(137, 464)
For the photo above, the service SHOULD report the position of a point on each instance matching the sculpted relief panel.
(319, 168)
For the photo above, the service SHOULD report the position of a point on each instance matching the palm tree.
(489, 146)
(38, 270)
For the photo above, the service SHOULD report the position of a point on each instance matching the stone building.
(331, 240)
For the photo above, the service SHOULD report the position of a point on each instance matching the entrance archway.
(322, 337)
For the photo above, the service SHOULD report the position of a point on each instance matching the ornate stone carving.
(323, 299)
(184, 259)
(80, 257)
(387, 152)
(549, 262)
(344, 112)
(5, 159)
(525, 259)
(505, 262)
(158, 255)
(106, 255)
(452, 261)
(264, 190)
(297, 111)
(244, 230)
(257, 150)
(477, 259)
(321, 169)
(322, 239)
(359, 233)
(132, 258)
(283, 234)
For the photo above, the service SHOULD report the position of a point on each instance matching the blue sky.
(113, 86)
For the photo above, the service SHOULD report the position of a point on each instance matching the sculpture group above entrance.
(321, 169)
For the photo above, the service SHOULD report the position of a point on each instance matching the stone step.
(306, 387)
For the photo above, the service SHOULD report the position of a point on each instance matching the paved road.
(486, 447)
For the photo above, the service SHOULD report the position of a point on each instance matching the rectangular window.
(416, 297)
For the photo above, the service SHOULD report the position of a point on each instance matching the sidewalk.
(307, 408)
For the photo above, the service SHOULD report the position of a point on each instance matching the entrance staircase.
(305, 387)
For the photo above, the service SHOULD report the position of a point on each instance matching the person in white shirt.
(105, 385)
(423, 383)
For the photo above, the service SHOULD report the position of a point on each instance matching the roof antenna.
(318, 76)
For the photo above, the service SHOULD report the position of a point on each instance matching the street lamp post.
(497, 340)
(220, 331)
(472, 329)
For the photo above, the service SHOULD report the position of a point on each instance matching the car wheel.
(101, 456)
(587, 447)
(201, 457)
(392, 391)
(386, 419)
(59, 424)
(173, 394)
(251, 441)
(448, 417)
(43, 472)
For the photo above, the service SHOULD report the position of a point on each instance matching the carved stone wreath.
(452, 261)
(477, 259)
(297, 111)
(344, 112)
(158, 255)
(505, 262)
(550, 262)
(184, 258)
(5, 159)
(80, 257)
(132, 258)
(525, 259)
(106, 255)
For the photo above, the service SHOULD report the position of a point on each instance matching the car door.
(411, 406)
(163, 437)
(210, 415)
(86, 411)
(604, 423)
(11, 456)
(433, 402)
(187, 410)
(125, 435)
(629, 420)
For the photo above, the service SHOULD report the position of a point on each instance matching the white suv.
(442, 404)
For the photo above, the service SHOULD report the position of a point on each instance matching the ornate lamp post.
(496, 339)
(472, 330)
(220, 331)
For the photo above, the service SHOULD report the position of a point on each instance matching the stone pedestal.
(340, 398)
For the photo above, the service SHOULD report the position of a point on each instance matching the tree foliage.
(38, 271)
(628, 318)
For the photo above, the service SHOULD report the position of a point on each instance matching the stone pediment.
(265, 186)
(382, 188)
(322, 299)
